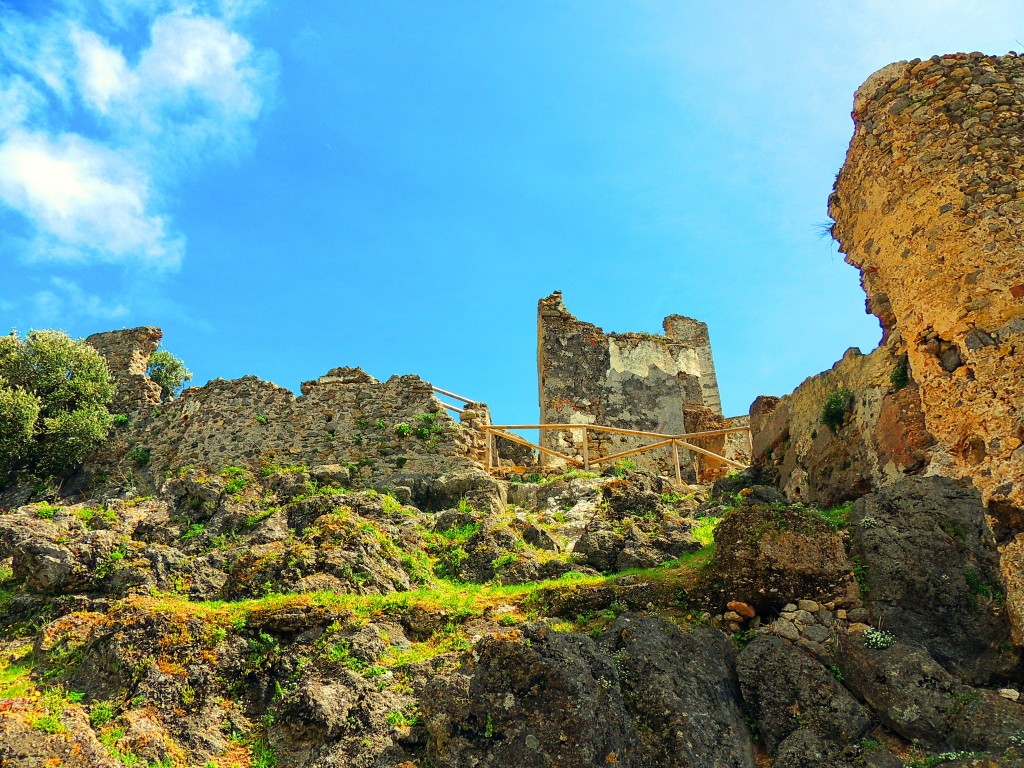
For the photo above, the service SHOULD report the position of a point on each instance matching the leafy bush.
(169, 372)
(837, 405)
(900, 376)
(53, 396)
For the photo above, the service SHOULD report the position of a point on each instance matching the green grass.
(46, 511)
(704, 531)
(836, 517)
(237, 479)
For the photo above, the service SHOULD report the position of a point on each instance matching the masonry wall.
(381, 430)
(628, 380)
(929, 205)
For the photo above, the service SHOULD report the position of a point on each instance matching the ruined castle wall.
(929, 206)
(629, 380)
(127, 354)
(345, 417)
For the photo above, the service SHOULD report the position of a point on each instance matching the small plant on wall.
(837, 405)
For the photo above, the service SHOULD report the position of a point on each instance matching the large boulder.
(787, 690)
(931, 568)
(766, 554)
(912, 695)
(644, 694)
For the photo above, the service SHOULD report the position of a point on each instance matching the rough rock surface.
(928, 206)
(916, 698)
(787, 690)
(931, 570)
(880, 439)
(643, 695)
(766, 553)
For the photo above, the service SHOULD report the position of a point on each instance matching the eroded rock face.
(929, 206)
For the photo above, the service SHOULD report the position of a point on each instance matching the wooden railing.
(449, 406)
(586, 461)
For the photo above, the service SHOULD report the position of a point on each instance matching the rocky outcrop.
(918, 699)
(766, 553)
(795, 699)
(929, 569)
(928, 206)
(877, 437)
(644, 694)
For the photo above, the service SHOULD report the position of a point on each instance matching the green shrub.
(169, 372)
(900, 376)
(140, 455)
(623, 467)
(53, 396)
(837, 405)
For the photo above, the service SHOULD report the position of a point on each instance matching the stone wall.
(929, 206)
(127, 354)
(881, 438)
(627, 380)
(380, 430)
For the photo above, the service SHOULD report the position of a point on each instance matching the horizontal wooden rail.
(523, 441)
(451, 407)
(620, 431)
(631, 452)
(446, 393)
(675, 441)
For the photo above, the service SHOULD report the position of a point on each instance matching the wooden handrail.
(675, 441)
(451, 394)
(624, 454)
(619, 430)
(451, 407)
(523, 441)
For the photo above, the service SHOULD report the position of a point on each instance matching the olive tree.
(53, 401)
(169, 372)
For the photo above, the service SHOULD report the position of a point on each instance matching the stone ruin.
(638, 381)
(391, 433)
(929, 206)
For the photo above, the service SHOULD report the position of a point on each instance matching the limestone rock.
(927, 207)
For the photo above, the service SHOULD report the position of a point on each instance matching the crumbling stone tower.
(637, 381)
(929, 206)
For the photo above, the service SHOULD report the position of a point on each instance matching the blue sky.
(289, 187)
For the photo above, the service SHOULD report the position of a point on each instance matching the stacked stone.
(127, 353)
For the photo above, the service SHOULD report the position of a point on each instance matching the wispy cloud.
(190, 93)
(66, 297)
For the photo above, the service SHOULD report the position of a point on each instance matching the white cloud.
(67, 298)
(86, 198)
(103, 73)
(189, 95)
